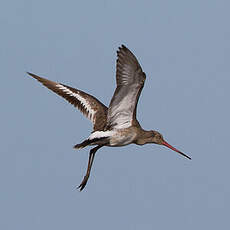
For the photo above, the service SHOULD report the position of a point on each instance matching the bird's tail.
(83, 144)
(95, 141)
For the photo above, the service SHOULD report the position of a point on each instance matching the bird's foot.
(83, 183)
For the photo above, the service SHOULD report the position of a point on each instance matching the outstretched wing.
(87, 104)
(130, 80)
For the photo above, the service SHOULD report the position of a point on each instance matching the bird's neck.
(144, 137)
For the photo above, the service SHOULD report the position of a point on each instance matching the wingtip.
(31, 74)
(122, 47)
(35, 76)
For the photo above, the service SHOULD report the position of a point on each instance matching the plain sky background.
(184, 48)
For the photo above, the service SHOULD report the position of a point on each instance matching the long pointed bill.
(176, 150)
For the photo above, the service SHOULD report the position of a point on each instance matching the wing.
(130, 80)
(87, 104)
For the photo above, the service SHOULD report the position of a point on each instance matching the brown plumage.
(98, 120)
(116, 125)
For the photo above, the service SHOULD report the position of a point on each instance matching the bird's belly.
(121, 139)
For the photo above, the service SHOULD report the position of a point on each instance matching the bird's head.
(157, 138)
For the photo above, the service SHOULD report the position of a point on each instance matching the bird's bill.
(174, 149)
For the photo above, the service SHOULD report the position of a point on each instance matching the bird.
(115, 125)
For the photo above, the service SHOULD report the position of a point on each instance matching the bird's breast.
(122, 137)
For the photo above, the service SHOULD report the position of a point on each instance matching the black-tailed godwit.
(115, 125)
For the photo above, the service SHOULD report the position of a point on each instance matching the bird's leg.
(90, 163)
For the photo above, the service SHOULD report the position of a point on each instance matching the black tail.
(89, 142)
(83, 144)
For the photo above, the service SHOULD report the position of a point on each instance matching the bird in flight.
(117, 124)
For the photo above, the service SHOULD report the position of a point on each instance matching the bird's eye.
(159, 137)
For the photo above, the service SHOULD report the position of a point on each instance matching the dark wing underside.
(87, 104)
(130, 80)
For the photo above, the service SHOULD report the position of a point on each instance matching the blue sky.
(184, 48)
